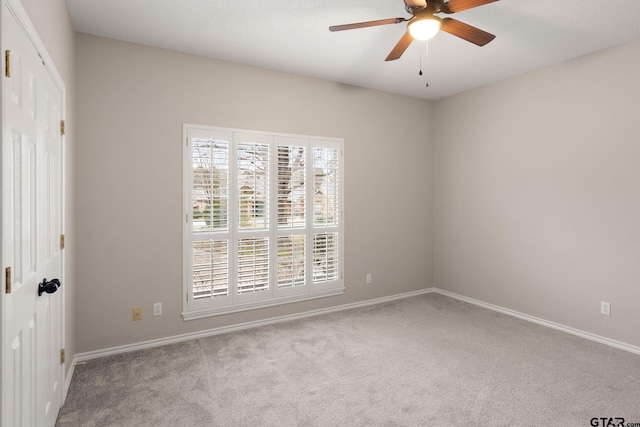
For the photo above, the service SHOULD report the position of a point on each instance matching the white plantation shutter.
(327, 221)
(207, 208)
(252, 222)
(292, 216)
(210, 162)
(263, 219)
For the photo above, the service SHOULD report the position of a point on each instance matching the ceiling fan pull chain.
(420, 72)
(426, 61)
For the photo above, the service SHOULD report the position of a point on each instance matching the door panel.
(31, 224)
(50, 307)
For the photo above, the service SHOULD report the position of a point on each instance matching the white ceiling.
(293, 36)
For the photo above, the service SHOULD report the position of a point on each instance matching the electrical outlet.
(137, 313)
(605, 308)
(157, 309)
(368, 279)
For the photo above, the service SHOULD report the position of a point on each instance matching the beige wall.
(53, 24)
(537, 193)
(132, 102)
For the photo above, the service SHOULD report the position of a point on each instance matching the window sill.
(217, 311)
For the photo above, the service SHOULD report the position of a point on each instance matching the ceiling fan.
(424, 24)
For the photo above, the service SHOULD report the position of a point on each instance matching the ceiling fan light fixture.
(424, 28)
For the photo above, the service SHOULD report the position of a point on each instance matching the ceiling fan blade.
(416, 3)
(400, 47)
(460, 5)
(466, 32)
(366, 24)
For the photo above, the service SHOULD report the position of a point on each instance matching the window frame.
(195, 308)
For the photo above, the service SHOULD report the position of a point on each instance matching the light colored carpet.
(422, 361)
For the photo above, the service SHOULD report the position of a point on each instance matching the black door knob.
(48, 287)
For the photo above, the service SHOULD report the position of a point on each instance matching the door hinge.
(62, 241)
(7, 280)
(61, 127)
(62, 356)
(7, 63)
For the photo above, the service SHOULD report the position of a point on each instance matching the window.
(263, 217)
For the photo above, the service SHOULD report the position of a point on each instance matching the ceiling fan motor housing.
(432, 6)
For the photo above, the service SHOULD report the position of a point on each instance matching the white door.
(32, 372)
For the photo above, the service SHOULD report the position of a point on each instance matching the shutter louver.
(291, 261)
(210, 185)
(253, 186)
(210, 268)
(253, 264)
(326, 186)
(291, 187)
(325, 257)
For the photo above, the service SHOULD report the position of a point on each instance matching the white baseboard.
(83, 357)
(587, 335)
